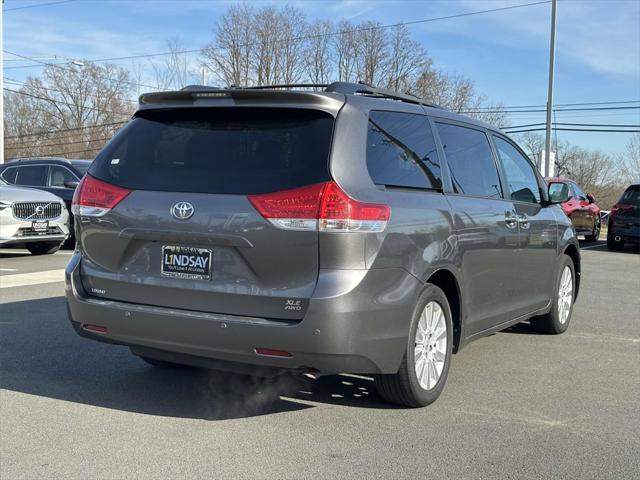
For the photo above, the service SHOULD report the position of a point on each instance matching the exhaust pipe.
(617, 238)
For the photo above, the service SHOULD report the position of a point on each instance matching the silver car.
(32, 219)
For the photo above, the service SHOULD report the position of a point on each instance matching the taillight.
(94, 198)
(324, 207)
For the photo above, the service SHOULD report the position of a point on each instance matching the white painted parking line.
(8, 269)
(33, 278)
(589, 247)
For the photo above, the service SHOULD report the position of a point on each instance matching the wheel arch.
(446, 280)
(573, 253)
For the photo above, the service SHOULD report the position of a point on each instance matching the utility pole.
(1, 85)
(204, 75)
(552, 54)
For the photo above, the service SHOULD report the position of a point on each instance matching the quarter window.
(401, 151)
(9, 174)
(521, 178)
(473, 170)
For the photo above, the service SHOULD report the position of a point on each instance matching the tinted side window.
(9, 174)
(521, 179)
(32, 175)
(401, 151)
(58, 175)
(473, 171)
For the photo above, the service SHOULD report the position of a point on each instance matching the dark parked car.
(623, 225)
(581, 208)
(59, 176)
(347, 230)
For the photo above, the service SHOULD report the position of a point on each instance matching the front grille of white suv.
(37, 210)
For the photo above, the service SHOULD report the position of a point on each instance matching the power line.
(612, 125)
(62, 154)
(49, 132)
(589, 109)
(46, 145)
(19, 83)
(60, 65)
(320, 35)
(64, 103)
(39, 5)
(575, 130)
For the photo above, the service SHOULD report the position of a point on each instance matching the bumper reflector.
(268, 352)
(94, 328)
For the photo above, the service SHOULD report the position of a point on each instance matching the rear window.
(219, 150)
(631, 195)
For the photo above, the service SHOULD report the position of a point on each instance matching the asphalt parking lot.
(517, 404)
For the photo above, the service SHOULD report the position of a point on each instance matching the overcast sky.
(505, 53)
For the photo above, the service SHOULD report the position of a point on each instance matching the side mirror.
(558, 193)
(71, 184)
(591, 198)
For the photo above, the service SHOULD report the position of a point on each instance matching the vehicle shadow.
(14, 254)
(601, 246)
(40, 354)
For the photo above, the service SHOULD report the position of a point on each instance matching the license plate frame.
(189, 263)
(40, 227)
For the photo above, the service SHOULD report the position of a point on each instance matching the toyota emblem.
(182, 210)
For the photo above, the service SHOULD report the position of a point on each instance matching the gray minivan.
(348, 229)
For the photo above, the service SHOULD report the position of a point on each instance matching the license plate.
(40, 226)
(186, 262)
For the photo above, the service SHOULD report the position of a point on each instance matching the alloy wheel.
(565, 295)
(430, 349)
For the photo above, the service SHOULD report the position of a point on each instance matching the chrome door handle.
(523, 220)
(510, 220)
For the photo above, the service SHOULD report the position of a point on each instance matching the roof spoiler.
(346, 88)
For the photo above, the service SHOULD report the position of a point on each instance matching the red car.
(581, 208)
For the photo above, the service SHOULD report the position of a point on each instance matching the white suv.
(32, 219)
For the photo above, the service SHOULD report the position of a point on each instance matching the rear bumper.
(357, 321)
(626, 234)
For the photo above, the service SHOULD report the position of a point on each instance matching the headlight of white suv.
(4, 205)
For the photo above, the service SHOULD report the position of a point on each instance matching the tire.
(613, 245)
(405, 387)
(595, 235)
(558, 319)
(162, 363)
(44, 248)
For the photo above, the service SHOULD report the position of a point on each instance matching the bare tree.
(291, 30)
(230, 53)
(629, 161)
(317, 52)
(406, 58)
(72, 110)
(265, 62)
(345, 54)
(172, 72)
(372, 50)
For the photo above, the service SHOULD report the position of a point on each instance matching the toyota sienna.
(342, 229)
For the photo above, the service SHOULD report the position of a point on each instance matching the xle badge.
(295, 305)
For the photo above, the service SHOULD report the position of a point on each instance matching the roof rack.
(21, 159)
(346, 88)
(362, 88)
